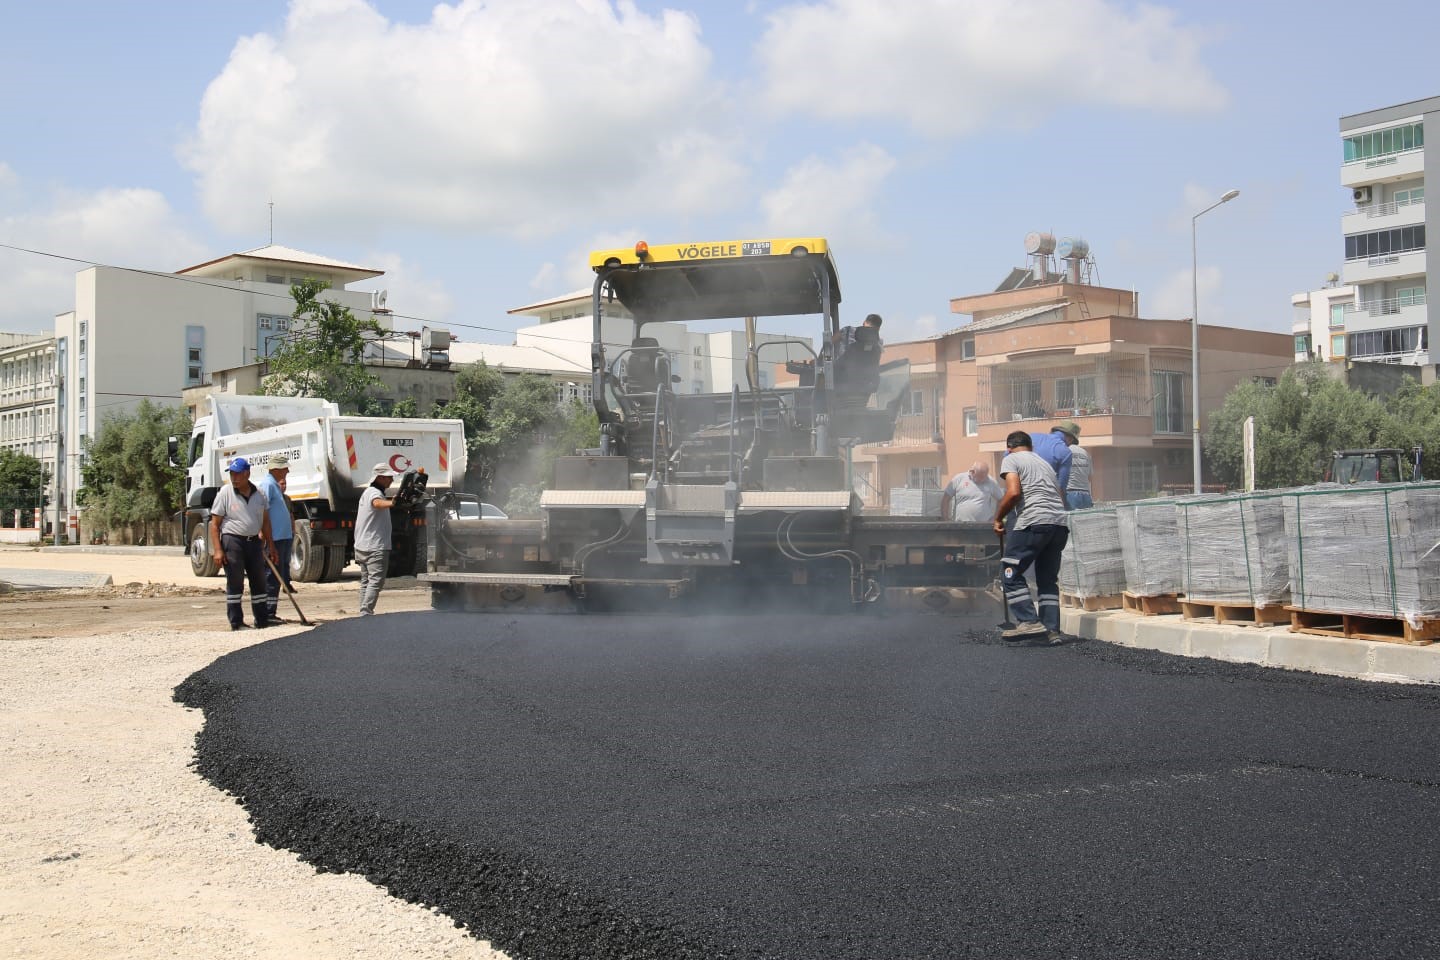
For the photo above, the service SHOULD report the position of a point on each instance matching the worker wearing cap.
(1054, 450)
(1077, 489)
(372, 537)
(240, 532)
(281, 529)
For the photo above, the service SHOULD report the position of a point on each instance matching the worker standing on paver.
(1077, 487)
(282, 530)
(240, 530)
(373, 537)
(1038, 539)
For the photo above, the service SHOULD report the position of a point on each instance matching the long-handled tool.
(1004, 600)
(289, 590)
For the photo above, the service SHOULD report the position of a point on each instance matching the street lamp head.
(1229, 195)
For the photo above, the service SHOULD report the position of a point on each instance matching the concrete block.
(1397, 662)
(1166, 634)
(1115, 627)
(1334, 655)
(1234, 644)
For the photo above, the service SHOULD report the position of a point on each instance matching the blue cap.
(239, 465)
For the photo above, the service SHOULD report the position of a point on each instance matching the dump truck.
(331, 457)
(728, 496)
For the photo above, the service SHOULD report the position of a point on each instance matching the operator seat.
(642, 373)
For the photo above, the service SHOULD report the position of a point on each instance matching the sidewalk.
(1266, 646)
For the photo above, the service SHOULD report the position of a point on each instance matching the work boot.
(1021, 631)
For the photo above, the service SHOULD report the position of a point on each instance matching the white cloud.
(508, 116)
(415, 297)
(1174, 300)
(8, 178)
(122, 227)
(952, 67)
(831, 198)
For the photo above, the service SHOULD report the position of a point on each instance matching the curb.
(123, 551)
(1265, 646)
(30, 580)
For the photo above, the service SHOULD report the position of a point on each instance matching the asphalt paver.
(830, 787)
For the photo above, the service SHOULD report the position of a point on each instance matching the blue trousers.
(1040, 547)
(272, 586)
(1078, 500)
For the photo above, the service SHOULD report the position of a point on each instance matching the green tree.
(22, 486)
(1298, 423)
(323, 357)
(127, 480)
(1415, 421)
(514, 430)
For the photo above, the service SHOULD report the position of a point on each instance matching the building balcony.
(1382, 216)
(1409, 311)
(1391, 266)
(1097, 431)
(1392, 166)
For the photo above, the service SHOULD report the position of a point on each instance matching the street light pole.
(1195, 334)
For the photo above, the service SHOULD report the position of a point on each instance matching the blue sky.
(478, 151)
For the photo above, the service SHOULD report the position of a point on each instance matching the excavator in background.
(724, 498)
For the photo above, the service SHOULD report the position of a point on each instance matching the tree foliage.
(127, 478)
(323, 357)
(22, 486)
(514, 430)
(1308, 415)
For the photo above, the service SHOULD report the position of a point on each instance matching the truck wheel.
(202, 562)
(335, 562)
(307, 561)
(402, 558)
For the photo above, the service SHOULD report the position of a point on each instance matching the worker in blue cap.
(240, 535)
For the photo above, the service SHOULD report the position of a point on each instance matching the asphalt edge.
(1263, 646)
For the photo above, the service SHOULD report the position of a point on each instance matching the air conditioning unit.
(1361, 194)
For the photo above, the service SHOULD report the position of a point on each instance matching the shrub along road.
(772, 786)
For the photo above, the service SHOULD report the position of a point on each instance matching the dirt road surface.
(110, 845)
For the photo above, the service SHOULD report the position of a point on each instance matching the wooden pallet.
(1109, 601)
(1231, 614)
(1150, 606)
(1363, 627)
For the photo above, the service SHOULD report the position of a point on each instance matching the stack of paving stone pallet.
(1092, 570)
(1365, 561)
(1235, 558)
(1150, 547)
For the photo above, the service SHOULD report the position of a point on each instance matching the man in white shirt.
(971, 496)
(372, 537)
(240, 532)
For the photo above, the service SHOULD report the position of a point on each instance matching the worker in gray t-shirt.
(1077, 486)
(1039, 537)
(372, 536)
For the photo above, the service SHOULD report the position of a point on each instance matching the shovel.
(290, 591)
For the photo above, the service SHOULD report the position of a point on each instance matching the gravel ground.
(110, 844)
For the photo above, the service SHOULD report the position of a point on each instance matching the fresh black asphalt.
(830, 787)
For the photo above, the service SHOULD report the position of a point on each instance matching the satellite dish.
(384, 295)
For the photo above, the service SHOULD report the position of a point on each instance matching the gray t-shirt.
(372, 527)
(239, 515)
(1080, 467)
(970, 500)
(1040, 501)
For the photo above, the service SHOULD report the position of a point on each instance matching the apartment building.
(1318, 322)
(1384, 168)
(1045, 347)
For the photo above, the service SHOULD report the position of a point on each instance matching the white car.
(473, 510)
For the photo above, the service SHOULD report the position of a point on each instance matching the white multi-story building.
(28, 396)
(1385, 167)
(137, 334)
(1319, 322)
